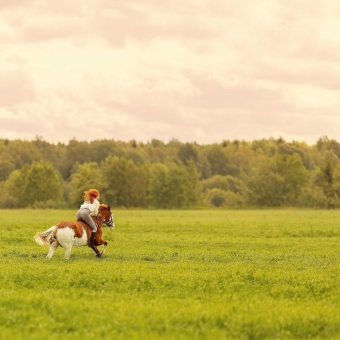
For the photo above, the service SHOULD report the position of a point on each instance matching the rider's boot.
(91, 240)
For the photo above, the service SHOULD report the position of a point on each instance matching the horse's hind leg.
(68, 249)
(53, 247)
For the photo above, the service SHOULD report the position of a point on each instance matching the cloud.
(5, 5)
(192, 70)
(15, 88)
(116, 23)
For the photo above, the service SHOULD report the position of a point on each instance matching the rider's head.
(91, 195)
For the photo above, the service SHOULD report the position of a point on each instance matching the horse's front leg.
(103, 250)
(95, 249)
(102, 243)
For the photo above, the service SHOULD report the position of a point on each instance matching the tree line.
(238, 174)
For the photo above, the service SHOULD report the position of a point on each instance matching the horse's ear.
(109, 207)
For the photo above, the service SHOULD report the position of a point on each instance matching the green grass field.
(243, 274)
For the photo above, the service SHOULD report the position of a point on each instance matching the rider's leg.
(91, 240)
(85, 215)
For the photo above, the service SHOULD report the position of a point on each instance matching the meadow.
(175, 274)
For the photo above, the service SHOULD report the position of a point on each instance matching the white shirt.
(93, 207)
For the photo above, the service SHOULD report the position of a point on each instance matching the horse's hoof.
(98, 255)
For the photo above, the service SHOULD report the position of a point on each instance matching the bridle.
(108, 222)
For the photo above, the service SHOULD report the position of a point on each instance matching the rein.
(106, 222)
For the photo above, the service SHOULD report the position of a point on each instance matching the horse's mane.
(104, 206)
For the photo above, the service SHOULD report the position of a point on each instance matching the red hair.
(90, 195)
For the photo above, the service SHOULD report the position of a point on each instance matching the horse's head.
(106, 215)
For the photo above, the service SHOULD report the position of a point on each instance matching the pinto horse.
(70, 233)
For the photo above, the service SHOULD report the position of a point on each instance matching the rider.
(89, 208)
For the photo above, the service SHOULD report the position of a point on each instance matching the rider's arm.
(96, 207)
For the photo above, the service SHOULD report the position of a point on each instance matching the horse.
(70, 233)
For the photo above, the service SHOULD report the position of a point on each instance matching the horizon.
(41, 138)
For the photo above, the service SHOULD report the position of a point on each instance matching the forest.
(173, 175)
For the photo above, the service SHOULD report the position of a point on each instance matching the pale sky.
(192, 70)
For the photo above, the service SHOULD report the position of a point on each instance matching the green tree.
(222, 182)
(176, 186)
(300, 148)
(98, 150)
(216, 197)
(193, 187)
(265, 185)
(327, 177)
(187, 153)
(55, 154)
(35, 185)
(325, 144)
(223, 198)
(124, 184)
(312, 197)
(203, 166)
(157, 187)
(76, 153)
(13, 196)
(277, 181)
(23, 152)
(86, 177)
(219, 161)
(295, 175)
(42, 184)
(6, 167)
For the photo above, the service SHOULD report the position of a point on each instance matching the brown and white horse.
(76, 233)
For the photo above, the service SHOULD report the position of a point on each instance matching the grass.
(262, 274)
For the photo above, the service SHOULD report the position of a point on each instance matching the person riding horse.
(68, 234)
(87, 209)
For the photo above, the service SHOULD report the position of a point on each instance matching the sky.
(200, 71)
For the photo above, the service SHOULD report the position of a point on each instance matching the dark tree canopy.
(260, 173)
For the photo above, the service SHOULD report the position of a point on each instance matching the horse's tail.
(43, 238)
